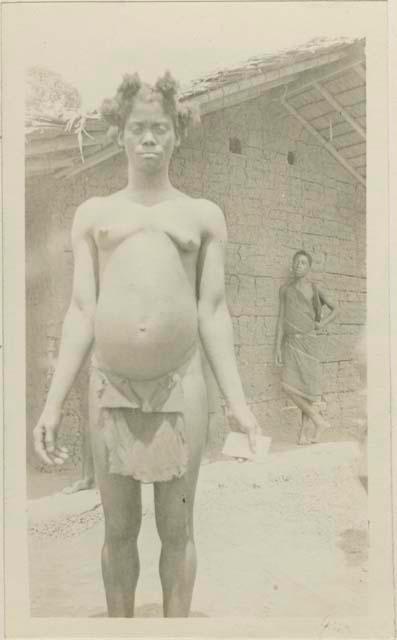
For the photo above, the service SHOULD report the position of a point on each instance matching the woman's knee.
(175, 533)
(122, 530)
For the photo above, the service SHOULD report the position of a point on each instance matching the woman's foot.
(80, 485)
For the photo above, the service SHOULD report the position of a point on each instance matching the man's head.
(301, 263)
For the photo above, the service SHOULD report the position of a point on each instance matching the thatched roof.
(321, 83)
(263, 64)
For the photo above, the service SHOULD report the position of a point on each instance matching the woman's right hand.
(278, 359)
(45, 435)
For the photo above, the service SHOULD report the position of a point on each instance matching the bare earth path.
(284, 538)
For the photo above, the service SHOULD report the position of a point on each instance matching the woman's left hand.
(246, 423)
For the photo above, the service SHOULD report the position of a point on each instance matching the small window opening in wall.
(291, 157)
(235, 145)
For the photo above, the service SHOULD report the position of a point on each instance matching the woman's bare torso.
(146, 316)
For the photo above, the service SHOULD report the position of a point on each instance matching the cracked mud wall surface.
(272, 209)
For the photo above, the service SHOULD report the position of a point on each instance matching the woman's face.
(300, 266)
(149, 136)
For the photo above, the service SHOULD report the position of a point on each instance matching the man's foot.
(80, 485)
(305, 436)
(303, 441)
(321, 427)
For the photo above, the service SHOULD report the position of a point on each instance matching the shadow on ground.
(354, 543)
(151, 610)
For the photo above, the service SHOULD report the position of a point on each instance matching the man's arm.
(280, 327)
(76, 340)
(332, 306)
(215, 325)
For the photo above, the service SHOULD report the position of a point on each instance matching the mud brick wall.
(272, 209)
(50, 208)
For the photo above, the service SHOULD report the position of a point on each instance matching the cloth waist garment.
(302, 365)
(302, 346)
(142, 422)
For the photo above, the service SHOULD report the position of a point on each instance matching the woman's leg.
(122, 507)
(121, 501)
(174, 504)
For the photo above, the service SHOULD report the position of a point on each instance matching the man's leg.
(307, 409)
(88, 463)
(87, 480)
(305, 437)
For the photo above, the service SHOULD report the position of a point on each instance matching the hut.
(281, 149)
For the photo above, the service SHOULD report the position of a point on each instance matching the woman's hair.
(302, 252)
(116, 110)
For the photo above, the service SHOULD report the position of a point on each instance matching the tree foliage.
(48, 95)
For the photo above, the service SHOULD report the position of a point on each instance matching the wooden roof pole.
(95, 159)
(296, 90)
(63, 142)
(334, 103)
(359, 69)
(322, 141)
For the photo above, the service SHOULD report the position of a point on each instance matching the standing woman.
(297, 344)
(148, 289)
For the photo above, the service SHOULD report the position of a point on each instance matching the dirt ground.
(287, 537)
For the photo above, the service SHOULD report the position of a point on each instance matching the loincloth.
(142, 422)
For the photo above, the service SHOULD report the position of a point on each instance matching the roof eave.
(250, 88)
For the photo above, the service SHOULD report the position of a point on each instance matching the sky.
(92, 45)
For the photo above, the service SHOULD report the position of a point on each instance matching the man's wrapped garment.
(302, 346)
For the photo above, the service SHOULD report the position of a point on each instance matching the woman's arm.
(332, 306)
(280, 328)
(215, 325)
(76, 340)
